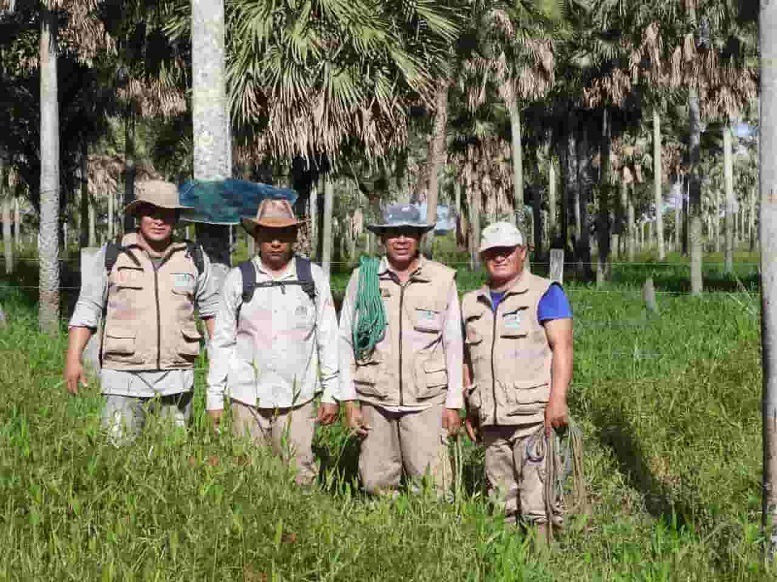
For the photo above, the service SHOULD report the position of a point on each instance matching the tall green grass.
(669, 405)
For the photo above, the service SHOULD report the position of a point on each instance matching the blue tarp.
(227, 201)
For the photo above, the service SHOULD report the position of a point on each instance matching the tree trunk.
(537, 221)
(129, 168)
(83, 176)
(48, 248)
(326, 235)
(603, 211)
(473, 205)
(17, 225)
(313, 200)
(583, 251)
(658, 198)
(752, 228)
(212, 146)
(768, 236)
(552, 199)
(678, 222)
(695, 234)
(111, 218)
(631, 229)
(519, 217)
(7, 235)
(728, 172)
(92, 223)
(436, 160)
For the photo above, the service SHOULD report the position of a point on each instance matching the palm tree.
(48, 244)
(212, 143)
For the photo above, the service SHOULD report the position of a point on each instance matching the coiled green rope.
(369, 314)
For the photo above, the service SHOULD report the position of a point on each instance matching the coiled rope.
(369, 314)
(564, 451)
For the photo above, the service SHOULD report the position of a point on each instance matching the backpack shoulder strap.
(305, 277)
(194, 250)
(112, 251)
(248, 275)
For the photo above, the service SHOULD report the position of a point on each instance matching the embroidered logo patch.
(512, 320)
(301, 311)
(183, 280)
(426, 314)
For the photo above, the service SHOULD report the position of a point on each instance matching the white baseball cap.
(500, 234)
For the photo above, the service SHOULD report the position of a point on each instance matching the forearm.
(77, 339)
(560, 372)
(210, 325)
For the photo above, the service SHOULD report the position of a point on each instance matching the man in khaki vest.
(146, 289)
(403, 397)
(274, 344)
(518, 365)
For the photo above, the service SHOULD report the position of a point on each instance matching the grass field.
(669, 404)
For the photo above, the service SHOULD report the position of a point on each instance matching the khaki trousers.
(517, 479)
(288, 431)
(123, 417)
(413, 441)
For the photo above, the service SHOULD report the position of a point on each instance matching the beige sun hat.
(500, 234)
(156, 192)
(272, 213)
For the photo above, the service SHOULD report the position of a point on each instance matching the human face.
(503, 264)
(156, 224)
(275, 245)
(401, 245)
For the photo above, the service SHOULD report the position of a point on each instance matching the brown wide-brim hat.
(272, 213)
(157, 193)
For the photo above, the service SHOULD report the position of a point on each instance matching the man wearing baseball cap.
(274, 345)
(518, 366)
(403, 394)
(145, 290)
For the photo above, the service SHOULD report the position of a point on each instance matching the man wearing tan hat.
(145, 291)
(403, 388)
(275, 343)
(518, 366)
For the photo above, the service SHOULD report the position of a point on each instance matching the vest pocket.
(474, 398)
(427, 319)
(367, 377)
(119, 341)
(526, 398)
(512, 324)
(190, 346)
(431, 378)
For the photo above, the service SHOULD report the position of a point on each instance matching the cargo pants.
(414, 441)
(516, 474)
(287, 431)
(123, 417)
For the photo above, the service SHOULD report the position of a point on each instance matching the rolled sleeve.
(94, 288)
(207, 295)
(222, 345)
(453, 343)
(326, 338)
(346, 357)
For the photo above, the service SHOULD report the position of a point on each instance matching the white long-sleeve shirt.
(279, 349)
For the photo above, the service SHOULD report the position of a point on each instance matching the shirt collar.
(520, 285)
(288, 271)
(417, 275)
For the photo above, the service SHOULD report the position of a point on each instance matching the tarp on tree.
(227, 201)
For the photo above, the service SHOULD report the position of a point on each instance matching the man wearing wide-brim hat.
(518, 353)
(402, 384)
(148, 288)
(274, 346)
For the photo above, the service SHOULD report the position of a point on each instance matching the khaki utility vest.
(408, 365)
(149, 318)
(509, 354)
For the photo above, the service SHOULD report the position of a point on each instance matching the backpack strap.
(194, 250)
(305, 277)
(248, 275)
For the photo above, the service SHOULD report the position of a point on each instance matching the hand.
(355, 420)
(472, 425)
(327, 413)
(74, 373)
(556, 415)
(215, 417)
(452, 421)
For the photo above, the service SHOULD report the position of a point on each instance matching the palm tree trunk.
(48, 248)
(728, 172)
(658, 198)
(129, 167)
(517, 157)
(436, 159)
(695, 234)
(313, 200)
(7, 236)
(473, 205)
(212, 145)
(715, 211)
(326, 235)
(631, 229)
(83, 175)
(768, 237)
(603, 212)
(17, 225)
(678, 226)
(752, 227)
(111, 217)
(552, 199)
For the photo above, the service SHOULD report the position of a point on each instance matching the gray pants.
(124, 417)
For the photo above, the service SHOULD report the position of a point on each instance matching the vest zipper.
(158, 321)
(401, 339)
(493, 369)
